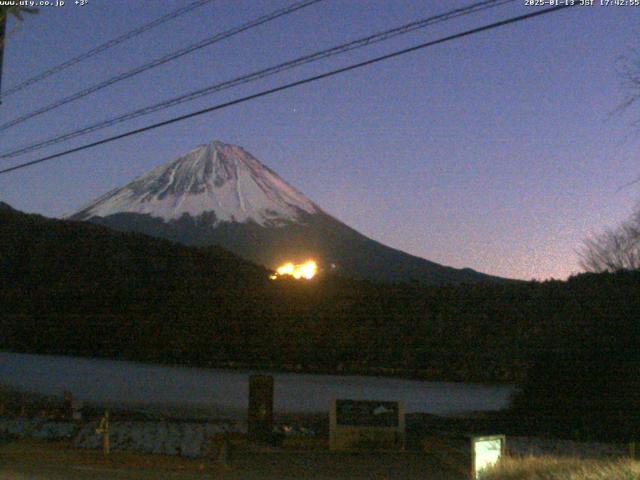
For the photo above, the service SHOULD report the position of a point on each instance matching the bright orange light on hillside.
(305, 270)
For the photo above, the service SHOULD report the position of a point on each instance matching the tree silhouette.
(614, 249)
(629, 73)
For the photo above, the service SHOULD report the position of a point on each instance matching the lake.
(110, 381)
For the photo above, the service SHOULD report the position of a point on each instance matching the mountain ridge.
(220, 194)
(5, 207)
(215, 177)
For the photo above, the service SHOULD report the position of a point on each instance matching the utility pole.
(3, 27)
(4, 14)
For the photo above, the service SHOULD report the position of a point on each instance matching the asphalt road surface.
(261, 466)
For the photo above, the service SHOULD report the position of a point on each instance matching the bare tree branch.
(614, 249)
(628, 71)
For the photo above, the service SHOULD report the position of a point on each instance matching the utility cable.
(105, 46)
(287, 86)
(160, 61)
(260, 74)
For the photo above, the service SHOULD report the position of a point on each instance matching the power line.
(260, 74)
(160, 61)
(105, 46)
(287, 86)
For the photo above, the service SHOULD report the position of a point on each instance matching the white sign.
(486, 452)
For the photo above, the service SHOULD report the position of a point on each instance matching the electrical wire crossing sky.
(263, 73)
(281, 88)
(105, 46)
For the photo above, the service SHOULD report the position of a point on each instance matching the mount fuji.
(220, 194)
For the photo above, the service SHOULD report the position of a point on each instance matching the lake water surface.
(110, 381)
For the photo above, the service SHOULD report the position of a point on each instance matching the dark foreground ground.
(40, 460)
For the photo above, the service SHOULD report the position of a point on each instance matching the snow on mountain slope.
(219, 194)
(220, 178)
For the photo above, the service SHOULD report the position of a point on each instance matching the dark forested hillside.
(82, 289)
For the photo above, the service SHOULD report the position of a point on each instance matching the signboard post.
(67, 402)
(358, 424)
(76, 410)
(260, 423)
(486, 452)
(466, 454)
(103, 429)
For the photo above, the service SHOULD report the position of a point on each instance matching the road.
(81, 472)
(248, 466)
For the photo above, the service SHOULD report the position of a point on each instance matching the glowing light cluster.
(305, 270)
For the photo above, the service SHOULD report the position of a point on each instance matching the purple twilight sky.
(496, 152)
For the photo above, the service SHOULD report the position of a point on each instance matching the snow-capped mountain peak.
(219, 194)
(217, 177)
